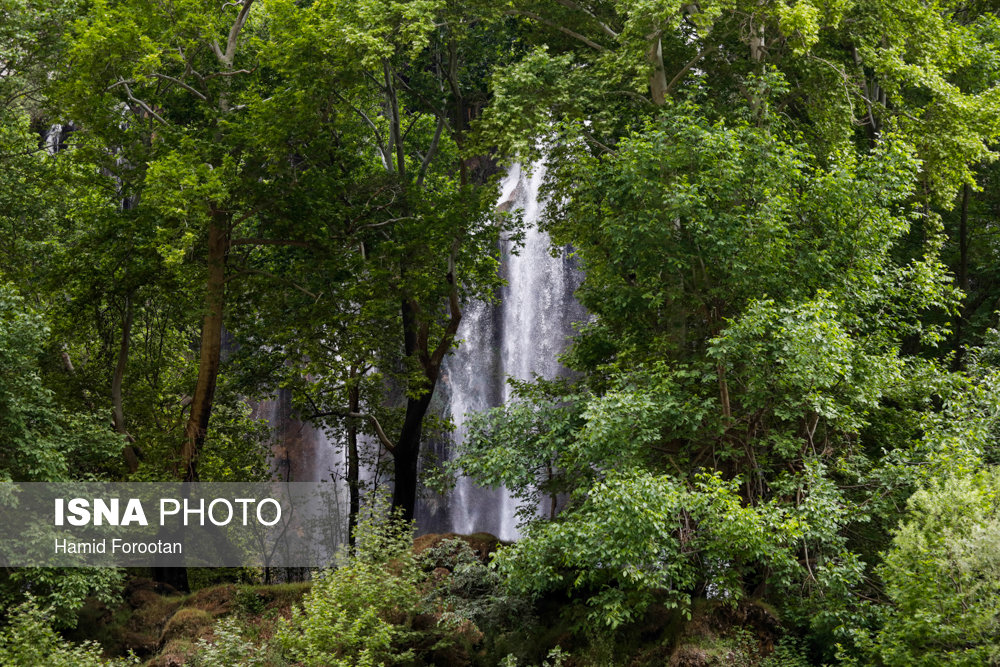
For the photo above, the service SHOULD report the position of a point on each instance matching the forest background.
(786, 214)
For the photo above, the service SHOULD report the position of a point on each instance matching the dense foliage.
(785, 393)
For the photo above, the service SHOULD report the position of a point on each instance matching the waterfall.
(521, 336)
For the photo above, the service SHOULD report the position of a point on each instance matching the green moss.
(187, 623)
(175, 652)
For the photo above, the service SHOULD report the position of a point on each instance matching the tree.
(160, 91)
(45, 442)
(380, 115)
(763, 267)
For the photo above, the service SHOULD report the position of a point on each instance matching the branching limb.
(455, 311)
(182, 85)
(561, 28)
(386, 158)
(343, 412)
(604, 26)
(687, 67)
(145, 107)
(234, 34)
(430, 151)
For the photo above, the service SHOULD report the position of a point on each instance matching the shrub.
(942, 574)
(474, 591)
(362, 613)
(30, 640)
(248, 602)
(228, 648)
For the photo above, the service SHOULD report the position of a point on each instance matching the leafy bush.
(248, 602)
(942, 574)
(228, 648)
(362, 613)
(640, 536)
(474, 591)
(788, 653)
(30, 641)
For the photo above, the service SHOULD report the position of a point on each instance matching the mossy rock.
(216, 600)
(483, 544)
(281, 597)
(175, 653)
(187, 623)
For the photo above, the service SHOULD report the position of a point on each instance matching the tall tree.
(754, 192)
(163, 92)
(381, 111)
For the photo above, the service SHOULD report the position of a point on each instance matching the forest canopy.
(783, 397)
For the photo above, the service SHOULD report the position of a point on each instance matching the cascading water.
(520, 337)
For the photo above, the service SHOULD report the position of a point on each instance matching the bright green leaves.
(802, 361)
(922, 57)
(528, 97)
(372, 29)
(42, 441)
(709, 215)
(801, 22)
(753, 296)
(31, 637)
(360, 614)
(943, 576)
(640, 537)
(856, 70)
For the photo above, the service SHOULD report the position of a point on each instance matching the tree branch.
(182, 85)
(143, 105)
(605, 27)
(455, 309)
(684, 70)
(343, 412)
(437, 112)
(563, 29)
(430, 152)
(395, 135)
(234, 33)
(232, 72)
(378, 135)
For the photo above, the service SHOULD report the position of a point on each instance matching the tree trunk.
(658, 79)
(404, 491)
(352, 466)
(211, 345)
(130, 452)
(407, 453)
